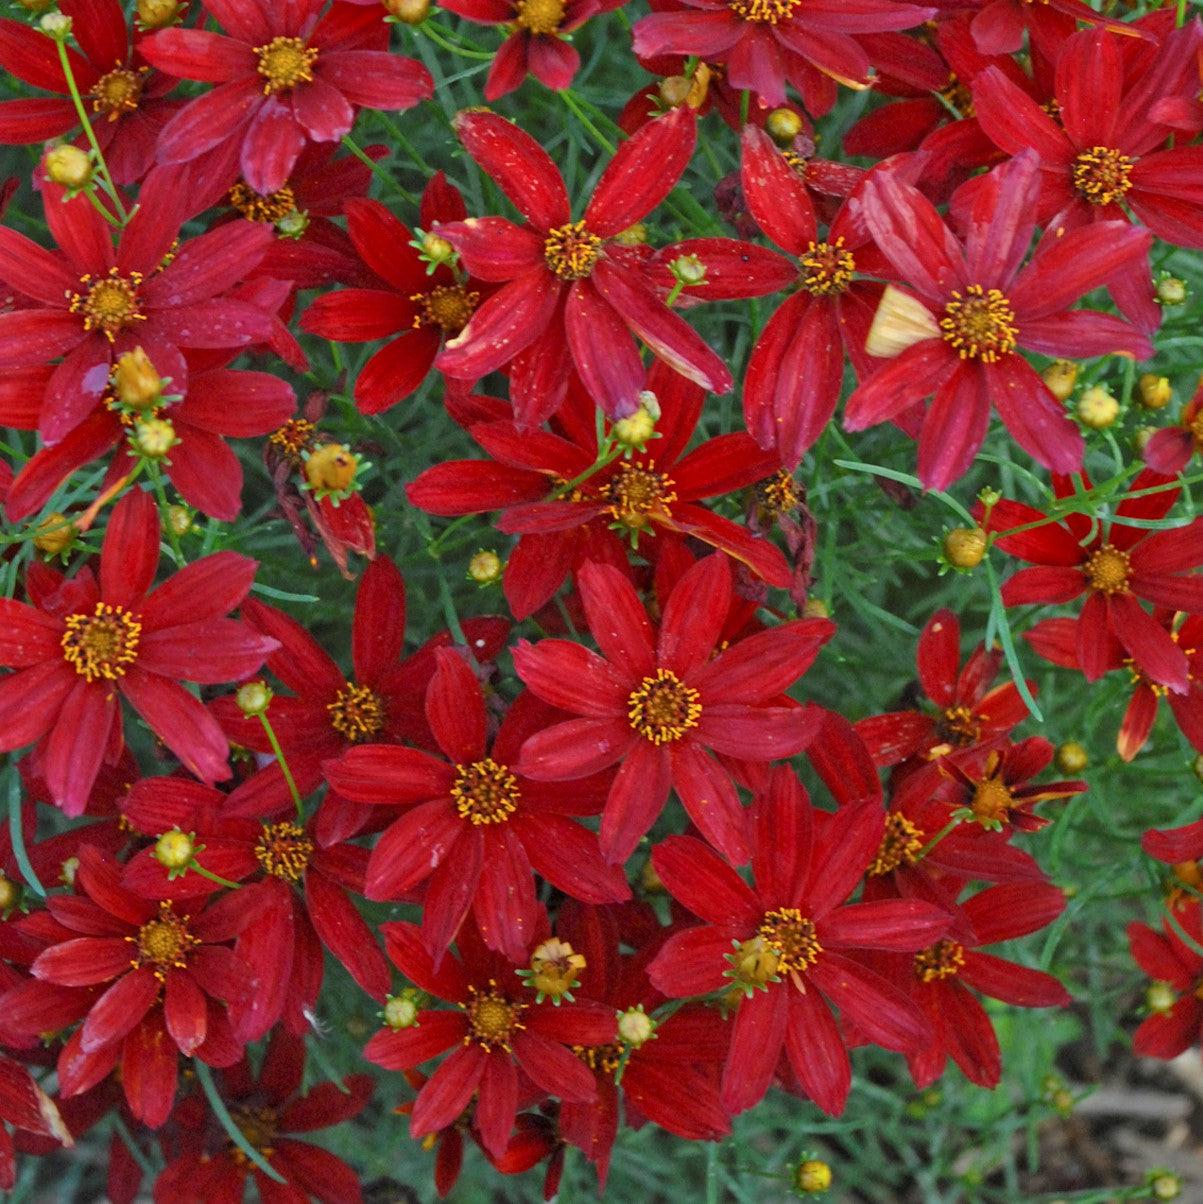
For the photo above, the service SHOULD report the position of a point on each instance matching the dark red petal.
(876, 1006)
(617, 619)
(404, 1048)
(816, 1051)
(411, 848)
(757, 1037)
(637, 796)
(1011, 983)
(119, 1009)
(709, 797)
(552, 1067)
(384, 773)
(700, 881)
(448, 1091)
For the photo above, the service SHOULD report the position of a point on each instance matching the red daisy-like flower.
(414, 309)
(1176, 968)
(1169, 450)
(765, 44)
(124, 96)
(970, 709)
(651, 496)
(270, 1111)
(998, 26)
(661, 703)
(974, 305)
(479, 828)
(785, 943)
(89, 304)
(504, 1042)
(286, 76)
(85, 643)
(572, 297)
(1115, 564)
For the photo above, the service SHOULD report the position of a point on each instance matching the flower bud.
(56, 26)
(253, 698)
(1155, 391)
(1060, 376)
(436, 249)
(68, 870)
(650, 881)
(1141, 437)
(1160, 997)
(812, 1177)
(1171, 291)
(485, 567)
(554, 970)
(10, 893)
(783, 126)
(635, 1027)
(293, 224)
(178, 520)
(674, 90)
(1097, 408)
(174, 849)
(154, 438)
(1072, 757)
(753, 963)
(156, 14)
(688, 270)
(331, 468)
(401, 1011)
(36, 6)
(68, 166)
(135, 380)
(55, 534)
(408, 12)
(965, 547)
(632, 236)
(634, 432)
(815, 608)
(1164, 1185)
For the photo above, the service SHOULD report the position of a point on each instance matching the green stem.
(156, 480)
(671, 299)
(95, 201)
(579, 113)
(283, 762)
(935, 840)
(204, 873)
(443, 39)
(376, 169)
(17, 834)
(205, 1077)
(604, 460)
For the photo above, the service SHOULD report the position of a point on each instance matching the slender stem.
(17, 834)
(579, 113)
(443, 39)
(204, 873)
(95, 200)
(376, 169)
(604, 460)
(156, 480)
(237, 1136)
(283, 762)
(935, 840)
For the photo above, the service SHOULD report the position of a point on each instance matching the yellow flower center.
(356, 712)
(258, 208)
(1102, 174)
(571, 251)
(992, 801)
(284, 851)
(539, 16)
(637, 494)
(293, 437)
(900, 844)
(492, 1018)
(980, 324)
(1107, 570)
(826, 268)
(163, 943)
(664, 708)
(959, 96)
(791, 937)
(944, 959)
(103, 643)
(764, 12)
(959, 725)
(118, 92)
(448, 307)
(485, 792)
(284, 63)
(108, 303)
(778, 495)
(604, 1059)
(259, 1126)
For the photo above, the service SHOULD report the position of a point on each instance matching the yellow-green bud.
(635, 431)
(68, 870)
(1164, 1185)
(1060, 377)
(154, 438)
(1097, 408)
(408, 12)
(1160, 997)
(815, 608)
(635, 1027)
(485, 567)
(253, 698)
(179, 520)
(812, 1177)
(174, 849)
(292, 224)
(36, 6)
(55, 534)
(675, 89)
(69, 166)
(56, 26)
(1155, 391)
(632, 236)
(155, 14)
(965, 547)
(10, 892)
(688, 269)
(436, 249)
(1141, 437)
(554, 969)
(136, 381)
(401, 1011)
(1072, 757)
(783, 126)
(1171, 291)
(331, 467)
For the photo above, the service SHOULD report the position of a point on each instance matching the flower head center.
(293, 437)
(958, 94)
(118, 92)
(539, 16)
(779, 494)
(1140, 679)
(1107, 570)
(636, 494)
(764, 12)
(570, 251)
(356, 712)
(284, 851)
(791, 936)
(1102, 174)
(944, 959)
(603, 1059)
(992, 801)
(448, 307)
(492, 1018)
(103, 643)
(284, 63)
(980, 324)
(960, 725)
(163, 943)
(900, 845)
(485, 792)
(259, 1126)
(826, 268)
(258, 208)
(663, 708)
(108, 303)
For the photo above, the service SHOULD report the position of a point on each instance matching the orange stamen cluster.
(980, 324)
(570, 251)
(102, 644)
(663, 708)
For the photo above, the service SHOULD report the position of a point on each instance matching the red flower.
(269, 1109)
(651, 495)
(1173, 1027)
(1114, 564)
(784, 942)
(657, 703)
(25, 1106)
(1170, 449)
(969, 711)
(504, 1042)
(976, 304)
(90, 304)
(480, 828)
(85, 642)
(125, 98)
(572, 297)
(286, 76)
(414, 309)
(999, 25)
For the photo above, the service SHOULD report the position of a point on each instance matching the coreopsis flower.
(970, 709)
(86, 643)
(1169, 450)
(1176, 1013)
(286, 77)
(503, 1040)
(662, 703)
(943, 978)
(90, 304)
(414, 309)
(974, 304)
(479, 827)
(998, 26)
(653, 495)
(149, 980)
(571, 295)
(1114, 564)
(782, 944)
(271, 1112)
(124, 98)
(1175, 846)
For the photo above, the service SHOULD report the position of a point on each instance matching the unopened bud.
(554, 970)
(1141, 437)
(1072, 757)
(635, 431)
(136, 381)
(293, 224)
(965, 547)
(688, 270)
(55, 534)
(1155, 391)
(68, 166)
(10, 892)
(56, 26)
(331, 468)
(154, 438)
(650, 880)
(783, 126)
(68, 870)
(1171, 291)
(1098, 408)
(674, 90)
(1060, 377)
(753, 963)
(253, 698)
(155, 14)
(401, 1011)
(815, 608)
(1160, 998)
(174, 849)
(812, 1177)
(36, 6)
(408, 12)
(1164, 1185)
(436, 249)
(178, 520)
(485, 567)
(635, 1027)
(632, 236)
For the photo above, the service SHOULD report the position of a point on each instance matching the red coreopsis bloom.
(479, 827)
(652, 495)
(571, 296)
(270, 1111)
(504, 1042)
(785, 941)
(998, 26)
(86, 643)
(1115, 564)
(970, 710)
(124, 97)
(1176, 967)
(89, 304)
(414, 309)
(974, 305)
(286, 76)
(662, 703)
